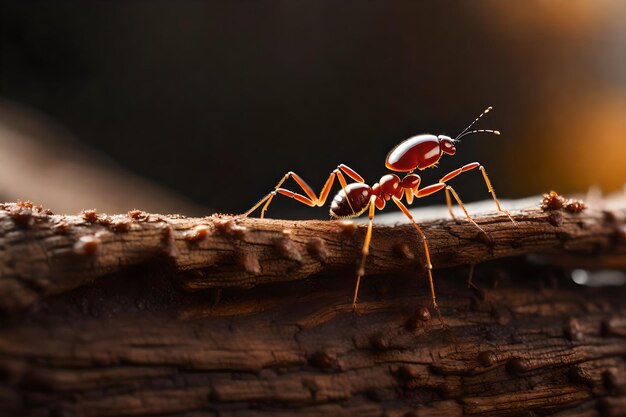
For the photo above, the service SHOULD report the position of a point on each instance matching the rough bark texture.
(44, 254)
(113, 329)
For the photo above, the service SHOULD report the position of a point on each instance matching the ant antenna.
(463, 133)
(495, 132)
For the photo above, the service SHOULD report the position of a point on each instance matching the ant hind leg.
(310, 199)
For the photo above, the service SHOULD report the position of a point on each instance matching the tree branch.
(528, 342)
(43, 254)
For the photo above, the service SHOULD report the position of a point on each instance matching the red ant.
(418, 152)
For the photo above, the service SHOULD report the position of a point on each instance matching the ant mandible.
(417, 152)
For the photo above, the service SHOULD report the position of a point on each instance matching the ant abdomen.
(359, 195)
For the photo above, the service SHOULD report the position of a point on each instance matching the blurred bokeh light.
(217, 100)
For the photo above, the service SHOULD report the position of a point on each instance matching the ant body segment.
(415, 153)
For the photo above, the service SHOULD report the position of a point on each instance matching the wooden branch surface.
(530, 342)
(135, 342)
(43, 254)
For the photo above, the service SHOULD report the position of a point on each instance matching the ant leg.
(449, 189)
(408, 192)
(449, 203)
(351, 173)
(311, 199)
(329, 183)
(326, 189)
(431, 189)
(429, 265)
(448, 177)
(296, 196)
(458, 171)
(342, 180)
(365, 251)
(268, 198)
(470, 167)
(493, 194)
(344, 184)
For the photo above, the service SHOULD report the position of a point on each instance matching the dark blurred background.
(195, 106)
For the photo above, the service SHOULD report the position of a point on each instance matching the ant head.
(447, 144)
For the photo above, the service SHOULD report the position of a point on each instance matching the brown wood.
(44, 254)
(125, 317)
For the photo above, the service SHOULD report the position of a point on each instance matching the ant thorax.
(417, 152)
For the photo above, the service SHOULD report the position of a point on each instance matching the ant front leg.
(310, 199)
(449, 190)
